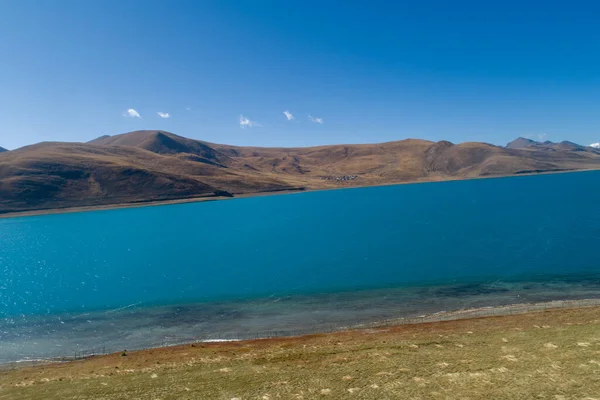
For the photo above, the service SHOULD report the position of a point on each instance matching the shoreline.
(438, 317)
(489, 311)
(140, 204)
(521, 356)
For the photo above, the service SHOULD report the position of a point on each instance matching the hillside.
(2, 150)
(145, 166)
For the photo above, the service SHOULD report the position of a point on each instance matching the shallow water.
(242, 268)
(135, 327)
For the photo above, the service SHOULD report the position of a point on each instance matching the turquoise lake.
(151, 276)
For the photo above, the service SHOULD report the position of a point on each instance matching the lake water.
(240, 268)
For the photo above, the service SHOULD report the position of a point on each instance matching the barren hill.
(147, 166)
(2, 150)
(565, 145)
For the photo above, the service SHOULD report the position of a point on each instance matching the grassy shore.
(551, 354)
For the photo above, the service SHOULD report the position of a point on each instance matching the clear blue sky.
(372, 70)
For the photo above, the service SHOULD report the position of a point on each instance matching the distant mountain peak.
(521, 142)
(99, 139)
(166, 143)
(529, 144)
(2, 150)
(568, 143)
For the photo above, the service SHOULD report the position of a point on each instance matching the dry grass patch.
(545, 355)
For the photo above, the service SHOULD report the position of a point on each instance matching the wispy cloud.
(288, 115)
(315, 119)
(542, 136)
(246, 122)
(163, 114)
(188, 109)
(595, 145)
(131, 113)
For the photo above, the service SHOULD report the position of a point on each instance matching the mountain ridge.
(527, 144)
(155, 165)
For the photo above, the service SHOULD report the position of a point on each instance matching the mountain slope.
(146, 166)
(2, 150)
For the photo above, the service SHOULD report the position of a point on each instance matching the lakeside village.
(339, 178)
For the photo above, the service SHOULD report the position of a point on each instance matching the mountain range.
(529, 144)
(147, 166)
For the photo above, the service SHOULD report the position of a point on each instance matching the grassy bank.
(543, 355)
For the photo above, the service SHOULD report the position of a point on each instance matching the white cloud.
(163, 114)
(288, 115)
(542, 136)
(188, 109)
(315, 119)
(595, 145)
(131, 113)
(247, 122)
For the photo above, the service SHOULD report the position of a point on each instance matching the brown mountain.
(167, 144)
(528, 144)
(147, 166)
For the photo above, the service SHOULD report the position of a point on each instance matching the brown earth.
(150, 166)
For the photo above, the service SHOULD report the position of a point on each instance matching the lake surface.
(150, 276)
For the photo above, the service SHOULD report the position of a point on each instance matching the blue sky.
(365, 71)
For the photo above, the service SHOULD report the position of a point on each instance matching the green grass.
(550, 355)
